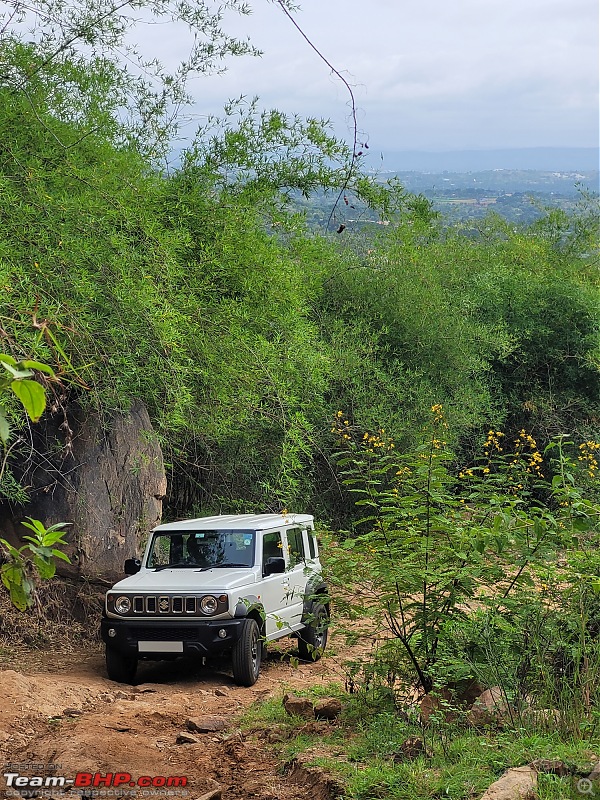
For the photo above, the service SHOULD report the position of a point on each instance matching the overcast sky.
(427, 74)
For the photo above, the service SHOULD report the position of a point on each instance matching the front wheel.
(246, 654)
(120, 668)
(312, 639)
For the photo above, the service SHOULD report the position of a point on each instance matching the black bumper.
(200, 638)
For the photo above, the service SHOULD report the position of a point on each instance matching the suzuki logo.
(163, 604)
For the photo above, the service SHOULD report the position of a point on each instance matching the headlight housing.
(208, 605)
(122, 605)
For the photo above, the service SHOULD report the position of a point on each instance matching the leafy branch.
(32, 562)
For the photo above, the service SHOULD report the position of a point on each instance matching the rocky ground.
(61, 715)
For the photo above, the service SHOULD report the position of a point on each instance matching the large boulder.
(107, 478)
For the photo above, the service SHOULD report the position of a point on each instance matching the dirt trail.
(62, 710)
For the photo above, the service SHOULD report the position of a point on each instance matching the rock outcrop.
(107, 478)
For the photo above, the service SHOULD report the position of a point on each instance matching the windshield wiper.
(217, 566)
(180, 565)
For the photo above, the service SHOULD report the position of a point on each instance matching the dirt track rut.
(63, 711)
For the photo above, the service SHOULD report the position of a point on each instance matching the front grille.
(179, 634)
(167, 605)
(164, 604)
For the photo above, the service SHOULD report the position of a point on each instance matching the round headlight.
(122, 605)
(208, 604)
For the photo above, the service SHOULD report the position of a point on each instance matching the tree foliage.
(101, 37)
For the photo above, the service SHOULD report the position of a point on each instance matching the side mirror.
(274, 565)
(132, 565)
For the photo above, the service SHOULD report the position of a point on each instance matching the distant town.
(518, 195)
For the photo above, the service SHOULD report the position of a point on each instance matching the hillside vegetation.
(430, 393)
(196, 292)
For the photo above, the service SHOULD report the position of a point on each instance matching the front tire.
(120, 668)
(246, 655)
(312, 639)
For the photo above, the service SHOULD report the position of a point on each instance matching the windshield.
(201, 549)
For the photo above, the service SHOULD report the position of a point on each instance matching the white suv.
(218, 584)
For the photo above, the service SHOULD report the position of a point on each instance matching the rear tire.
(312, 639)
(120, 668)
(246, 654)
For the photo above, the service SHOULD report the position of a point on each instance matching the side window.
(295, 546)
(312, 544)
(272, 546)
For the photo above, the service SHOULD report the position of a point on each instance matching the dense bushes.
(488, 575)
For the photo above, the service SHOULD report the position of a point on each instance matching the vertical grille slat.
(190, 605)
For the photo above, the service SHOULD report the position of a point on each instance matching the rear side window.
(312, 544)
(272, 546)
(295, 546)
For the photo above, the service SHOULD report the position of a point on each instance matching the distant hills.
(535, 158)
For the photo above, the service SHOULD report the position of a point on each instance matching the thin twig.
(338, 74)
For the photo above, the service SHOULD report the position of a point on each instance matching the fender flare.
(246, 605)
(316, 586)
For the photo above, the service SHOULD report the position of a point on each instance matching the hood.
(186, 580)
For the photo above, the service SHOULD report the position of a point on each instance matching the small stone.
(490, 708)
(434, 703)
(327, 708)
(206, 724)
(186, 738)
(298, 706)
(72, 712)
(221, 692)
(595, 773)
(518, 783)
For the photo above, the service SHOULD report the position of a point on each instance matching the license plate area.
(160, 647)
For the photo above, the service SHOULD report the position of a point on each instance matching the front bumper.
(198, 637)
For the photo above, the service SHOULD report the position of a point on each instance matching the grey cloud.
(436, 74)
